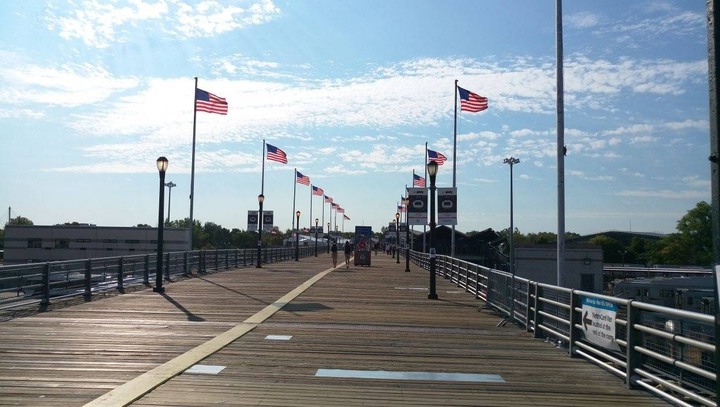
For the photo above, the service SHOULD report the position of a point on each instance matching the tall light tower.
(170, 186)
(511, 162)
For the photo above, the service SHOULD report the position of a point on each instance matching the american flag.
(207, 102)
(418, 181)
(340, 210)
(346, 217)
(317, 191)
(302, 179)
(276, 154)
(439, 158)
(328, 199)
(401, 208)
(472, 102)
(334, 205)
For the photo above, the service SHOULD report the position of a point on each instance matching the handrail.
(30, 284)
(670, 352)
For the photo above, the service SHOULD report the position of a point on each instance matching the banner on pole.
(252, 220)
(417, 209)
(267, 221)
(447, 206)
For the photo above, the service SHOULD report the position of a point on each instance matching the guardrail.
(40, 283)
(668, 352)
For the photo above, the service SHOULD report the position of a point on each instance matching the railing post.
(120, 275)
(167, 266)
(88, 279)
(575, 318)
(227, 259)
(217, 260)
(529, 304)
(536, 316)
(185, 264)
(146, 272)
(634, 338)
(45, 285)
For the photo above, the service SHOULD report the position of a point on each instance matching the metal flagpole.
(311, 205)
(560, 152)
(322, 203)
(713, 16)
(192, 166)
(452, 236)
(294, 191)
(426, 185)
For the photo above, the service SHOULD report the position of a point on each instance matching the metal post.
(432, 171)
(162, 167)
(397, 238)
(316, 230)
(261, 199)
(297, 236)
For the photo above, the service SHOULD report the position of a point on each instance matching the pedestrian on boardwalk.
(348, 252)
(333, 251)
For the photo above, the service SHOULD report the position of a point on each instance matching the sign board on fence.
(598, 321)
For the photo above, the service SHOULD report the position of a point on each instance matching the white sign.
(598, 321)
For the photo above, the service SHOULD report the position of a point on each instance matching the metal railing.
(667, 351)
(40, 283)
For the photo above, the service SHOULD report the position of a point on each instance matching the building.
(29, 244)
(583, 266)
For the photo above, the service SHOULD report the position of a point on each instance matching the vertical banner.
(267, 221)
(252, 221)
(447, 206)
(417, 211)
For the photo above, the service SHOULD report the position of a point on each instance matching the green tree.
(20, 220)
(613, 250)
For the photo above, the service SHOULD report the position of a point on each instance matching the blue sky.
(94, 91)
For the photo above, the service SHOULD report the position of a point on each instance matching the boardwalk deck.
(363, 320)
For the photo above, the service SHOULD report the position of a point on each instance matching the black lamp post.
(407, 237)
(162, 165)
(511, 161)
(397, 237)
(297, 237)
(391, 248)
(432, 168)
(261, 199)
(328, 233)
(316, 230)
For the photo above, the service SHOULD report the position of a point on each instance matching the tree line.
(690, 245)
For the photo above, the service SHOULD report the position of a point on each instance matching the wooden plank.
(362, 318)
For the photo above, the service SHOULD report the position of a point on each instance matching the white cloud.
(99, 24)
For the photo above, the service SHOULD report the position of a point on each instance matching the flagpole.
(560, 151)
(452, 237)
(311, 205)
(262, 180)
(192, 166)
(294, 191)
(425, 223)
(322, 203)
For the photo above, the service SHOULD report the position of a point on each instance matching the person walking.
(348, 252)
(333, 252)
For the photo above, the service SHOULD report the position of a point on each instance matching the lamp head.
(316, 221)
(297, 214)
(162, 164)
(397, 215)
(432, 169)
(261, 198)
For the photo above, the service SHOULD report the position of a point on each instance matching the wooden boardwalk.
(273, 330)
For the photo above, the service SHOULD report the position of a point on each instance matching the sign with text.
(252, 220)
(447, 206)
(598, 321)
(417, 212)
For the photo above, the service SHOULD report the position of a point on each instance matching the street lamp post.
(316, 230)
(297, 237)
(162, 165)
(261, 199)
(511, 161)
(407, 237)
(432, 168)
(328, 240)
(170, 186)
(397, 237)
(391, 248)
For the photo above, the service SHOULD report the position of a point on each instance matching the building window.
(62, 243)
(34, 243)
